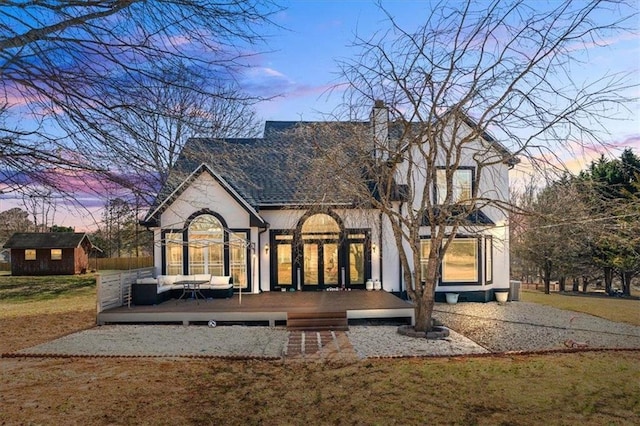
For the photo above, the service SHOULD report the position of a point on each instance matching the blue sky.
(299, 66)
(317, 34)
(303, 62)
(303, 65)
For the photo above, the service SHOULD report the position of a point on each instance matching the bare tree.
(142, 134)
(41, 206)
(506, 65)
(557, 233)
(14, 220)
(67, 62)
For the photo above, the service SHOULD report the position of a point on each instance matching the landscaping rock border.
(437, 332)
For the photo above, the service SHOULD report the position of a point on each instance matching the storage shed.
(49, 253)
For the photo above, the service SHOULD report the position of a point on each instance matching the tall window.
(425, 247)
(173, 247)
(462, 181)
(488, 259)
(460, 263)
(206, 246)
(284, 259)
(238, 259)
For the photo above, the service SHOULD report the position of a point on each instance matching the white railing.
(114, 288)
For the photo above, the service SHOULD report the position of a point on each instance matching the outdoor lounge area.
(268, 308)
(152, 291)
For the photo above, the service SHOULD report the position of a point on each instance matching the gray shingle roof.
(46, 240)
(267, 171)
(264, 171)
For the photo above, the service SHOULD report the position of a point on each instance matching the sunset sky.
(300, 68)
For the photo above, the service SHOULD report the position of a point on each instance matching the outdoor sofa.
(151, 291)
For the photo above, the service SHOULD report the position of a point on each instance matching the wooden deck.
(269, 308)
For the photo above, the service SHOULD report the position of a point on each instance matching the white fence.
(114, 288)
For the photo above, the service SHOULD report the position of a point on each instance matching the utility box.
(514, 290)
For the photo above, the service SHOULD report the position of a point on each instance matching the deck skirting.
(265, 308)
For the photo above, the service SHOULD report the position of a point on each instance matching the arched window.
(206, 245)
(320, 224)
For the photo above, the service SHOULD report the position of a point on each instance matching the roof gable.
(153, 216)
(397, 130)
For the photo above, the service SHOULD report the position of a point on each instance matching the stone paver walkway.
(310, 346)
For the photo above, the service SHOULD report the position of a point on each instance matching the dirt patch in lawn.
(579, 388)
(20, 332)
(587, 389)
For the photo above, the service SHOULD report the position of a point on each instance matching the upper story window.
(462, 184)
(56, 254)
(30, 254)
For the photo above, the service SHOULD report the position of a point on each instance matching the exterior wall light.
(266, 248)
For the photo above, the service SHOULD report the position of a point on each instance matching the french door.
(319, 261)
(321, 265)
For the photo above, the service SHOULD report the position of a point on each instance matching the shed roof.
(46, 240)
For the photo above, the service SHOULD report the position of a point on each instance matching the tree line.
(119, 233)
(583, 229)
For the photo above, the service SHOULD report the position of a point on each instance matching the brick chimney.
(380, 129)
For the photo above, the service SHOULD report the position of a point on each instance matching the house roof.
(271, 171)
(264, 172)
(46, 240)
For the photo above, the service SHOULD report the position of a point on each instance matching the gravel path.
(384, 341)
(476, 328)
(168, 340)
(521, 326)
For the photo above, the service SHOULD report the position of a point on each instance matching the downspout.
(380, 257)
(258, 254)
(400, 263)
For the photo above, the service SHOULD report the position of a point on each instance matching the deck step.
(317, 321)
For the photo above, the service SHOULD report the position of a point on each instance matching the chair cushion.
(146, 281)
(216, 286)
(166, 280)
(220, 280)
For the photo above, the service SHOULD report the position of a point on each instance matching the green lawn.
(24, 296)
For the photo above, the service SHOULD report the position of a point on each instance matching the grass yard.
(611, 308)
(591, 388)
(34, 310)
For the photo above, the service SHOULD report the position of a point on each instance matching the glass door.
(310, 265)
(330, 265)
(320, 265)
(283, 258)
(359, 258)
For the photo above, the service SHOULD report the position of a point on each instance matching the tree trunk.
(608, 279)
(547, 277)
(423, 312)
(626, 283)
(576, 284)
(585, 283)
(561, 283)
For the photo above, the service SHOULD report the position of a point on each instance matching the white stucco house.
(240, 207)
